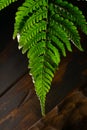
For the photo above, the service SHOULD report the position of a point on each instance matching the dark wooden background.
(19, 105)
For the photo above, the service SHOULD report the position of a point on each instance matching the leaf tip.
(18, 37)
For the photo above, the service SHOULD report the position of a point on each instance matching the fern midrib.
(44, 57)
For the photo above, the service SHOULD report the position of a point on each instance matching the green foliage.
(45, 30)
(5, 3)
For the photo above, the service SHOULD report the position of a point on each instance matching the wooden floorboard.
(13, 65)
(70, 114)
(19, 105)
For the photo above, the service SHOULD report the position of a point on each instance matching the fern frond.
(43, 74)
(27, 9)
(38, 48)
(70, 29)
(59, 44)
(45, 29)
(67, 10)
(60, 33)
(68, 26)
(31, 42)
(35, 18)
(36, 28)
(5, 3)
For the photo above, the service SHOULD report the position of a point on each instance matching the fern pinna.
(45, 29)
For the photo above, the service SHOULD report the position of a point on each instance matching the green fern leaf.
(72, 13)
(60, 33)
(24, 12)
(45, 29)
(5, 3)
(68, 26)
(59, 44)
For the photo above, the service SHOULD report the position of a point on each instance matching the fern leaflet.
(5, 3)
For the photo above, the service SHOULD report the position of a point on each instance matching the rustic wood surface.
(70, 114)
(10, 66)
(19, 105)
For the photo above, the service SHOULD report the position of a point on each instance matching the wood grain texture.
(13, 65)
(70, 114)
(19, 105)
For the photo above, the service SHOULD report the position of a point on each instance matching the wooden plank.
(69, 114)
(13, 65)
(72, 73)
(19, 106)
